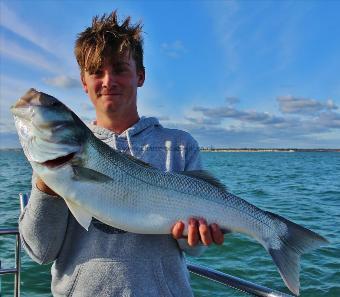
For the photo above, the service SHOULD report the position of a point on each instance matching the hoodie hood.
(125, 141)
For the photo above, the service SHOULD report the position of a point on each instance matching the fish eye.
(55, 103)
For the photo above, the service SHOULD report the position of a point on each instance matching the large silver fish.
(121, 191)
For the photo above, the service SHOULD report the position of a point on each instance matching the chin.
(111, 108)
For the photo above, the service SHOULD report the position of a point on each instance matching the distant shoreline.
(243, 150)
(265, 150)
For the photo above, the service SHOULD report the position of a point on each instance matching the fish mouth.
(35, 98)
(60, 161)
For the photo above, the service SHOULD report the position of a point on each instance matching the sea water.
(303, 187)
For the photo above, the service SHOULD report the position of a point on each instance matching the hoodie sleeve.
(193, 157)
(42, 225)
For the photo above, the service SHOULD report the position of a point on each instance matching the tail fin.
(291, 241)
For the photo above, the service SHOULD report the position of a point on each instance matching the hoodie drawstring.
(114, 144)
(129, 143)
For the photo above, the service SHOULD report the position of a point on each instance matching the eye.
(120, 69)
(97, 73)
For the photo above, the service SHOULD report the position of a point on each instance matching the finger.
(40, 184)
(205, 233)
(217, 234)
(177, 230)
(193, 236)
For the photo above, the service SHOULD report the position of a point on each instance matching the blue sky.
(232, 73)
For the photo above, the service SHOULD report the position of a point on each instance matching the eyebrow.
(121, 63)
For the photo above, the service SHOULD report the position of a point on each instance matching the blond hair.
(105, 39)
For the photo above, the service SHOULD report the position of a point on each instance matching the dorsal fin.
(137, 161)
(205, 176)
(198, 174)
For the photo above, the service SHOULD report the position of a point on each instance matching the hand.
(198, 230)
(44, 188)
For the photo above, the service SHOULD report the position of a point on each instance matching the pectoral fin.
(83, 217)
(87, 174)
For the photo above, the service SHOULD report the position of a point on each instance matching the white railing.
(234, 282)
(16, 269)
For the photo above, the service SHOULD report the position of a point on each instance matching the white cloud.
(231, 127)
(174, 49)
(27, 56)
(328, 119)
(201, 120)
(16, 24)
(252, 116)
(226, 23)
(63, 81)
(232, 100)
(298, 105)
(331, 105)
(163, 119)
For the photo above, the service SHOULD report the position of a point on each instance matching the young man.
(105, 261)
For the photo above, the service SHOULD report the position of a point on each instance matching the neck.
(117, 123)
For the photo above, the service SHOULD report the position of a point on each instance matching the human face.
(113, 88)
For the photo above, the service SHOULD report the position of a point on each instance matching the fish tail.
(291, 241)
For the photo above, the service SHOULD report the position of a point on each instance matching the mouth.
(58, 161)
(110, 94)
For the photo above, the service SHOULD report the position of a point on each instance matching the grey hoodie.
(105, 261)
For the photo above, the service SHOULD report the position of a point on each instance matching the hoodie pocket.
(104, 278)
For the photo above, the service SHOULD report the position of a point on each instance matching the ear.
(83, 82)
(141, 77)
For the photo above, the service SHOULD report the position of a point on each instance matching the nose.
(109, 79)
